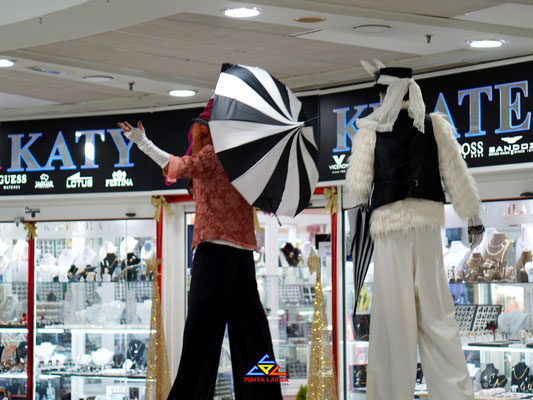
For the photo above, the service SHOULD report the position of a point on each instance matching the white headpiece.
(384, 117)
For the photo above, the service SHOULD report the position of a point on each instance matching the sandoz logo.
(511, 148)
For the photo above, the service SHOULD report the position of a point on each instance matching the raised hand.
(137, 135)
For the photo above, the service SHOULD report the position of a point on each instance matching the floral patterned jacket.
(222, 214)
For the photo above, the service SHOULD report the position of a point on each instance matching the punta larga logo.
(119, 179)
(266, 370)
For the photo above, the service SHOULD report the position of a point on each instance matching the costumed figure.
(223, 287)
(399, 156)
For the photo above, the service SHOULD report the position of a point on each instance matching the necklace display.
(526, 370)
(497, 252)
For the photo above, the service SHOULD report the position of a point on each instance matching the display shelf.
(93, 307)
(11, 375)
(501, 349)
(100, 330)
(504, 275)
(14, 329)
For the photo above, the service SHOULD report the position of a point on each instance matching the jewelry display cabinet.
(286, 288)
(493, 295)
(93, 297)
(13, 310)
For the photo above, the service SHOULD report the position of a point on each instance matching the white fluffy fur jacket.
(413, 213)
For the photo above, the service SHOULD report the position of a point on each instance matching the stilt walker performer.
(400, 158)
(223, 286)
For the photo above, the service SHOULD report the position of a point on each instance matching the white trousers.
(411, 304)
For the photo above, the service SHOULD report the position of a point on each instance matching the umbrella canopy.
(270, 157)
(361, 246)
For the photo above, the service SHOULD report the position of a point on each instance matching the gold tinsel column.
(157, 371)
(321, 384)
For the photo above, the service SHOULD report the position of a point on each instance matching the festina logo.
(44, 183)
(119, 179)
(340, 165)
(78, 181)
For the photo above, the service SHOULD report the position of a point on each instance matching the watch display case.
(93, 297)
(13, 310)
(493, 299)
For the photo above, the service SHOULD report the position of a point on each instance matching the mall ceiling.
(149, 48)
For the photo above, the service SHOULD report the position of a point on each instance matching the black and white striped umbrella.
(361, 247)
(270, 157)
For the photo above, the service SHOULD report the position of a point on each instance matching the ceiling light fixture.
(182, 93)
(485, 43)
(48, 71)
(242, 12)
(310, 19)
(98, 78)
(5, 63)
(372, 28)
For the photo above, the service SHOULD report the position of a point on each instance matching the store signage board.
(87, 154)
(490, 108)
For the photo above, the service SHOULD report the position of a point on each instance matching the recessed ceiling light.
(242, 12)
(4, 63)
(48, 71)
(485, 43)
(182, 93)
(372, 28)
(98, 78)
(310, 19)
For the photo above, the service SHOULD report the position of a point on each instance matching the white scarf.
(384, 117)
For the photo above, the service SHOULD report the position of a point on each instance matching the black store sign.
(85, 155)
(491, 110)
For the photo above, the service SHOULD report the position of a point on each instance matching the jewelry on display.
(523, 374)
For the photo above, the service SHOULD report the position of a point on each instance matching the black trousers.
(223, 291)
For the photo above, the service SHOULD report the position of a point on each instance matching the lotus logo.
(512, 140)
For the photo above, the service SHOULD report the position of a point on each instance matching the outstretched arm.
(360, 174)
(458, 182)
(138, 136)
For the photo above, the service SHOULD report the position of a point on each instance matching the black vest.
(406, 163)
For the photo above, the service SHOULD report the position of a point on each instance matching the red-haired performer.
(223, 286)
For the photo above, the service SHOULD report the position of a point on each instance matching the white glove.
(475, 231)
(138, 136)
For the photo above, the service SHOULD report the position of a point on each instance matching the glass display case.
(286, 288)
(93, 298)
(493, 296)
(13, 310)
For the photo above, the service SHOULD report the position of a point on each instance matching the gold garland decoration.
(321, 382)
(158, 383)
(257, 227)
(31, 227)
(159, 203)
(331, 196)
